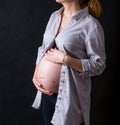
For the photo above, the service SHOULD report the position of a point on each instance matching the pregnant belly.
(48, 75)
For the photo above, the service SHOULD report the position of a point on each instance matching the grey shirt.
(82, 38)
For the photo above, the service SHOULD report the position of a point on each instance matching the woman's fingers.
(40, 87)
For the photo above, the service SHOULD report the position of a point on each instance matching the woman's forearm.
(73, 62)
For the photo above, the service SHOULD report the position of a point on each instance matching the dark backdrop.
(22, 24)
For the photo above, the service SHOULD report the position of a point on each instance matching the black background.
(22, 24)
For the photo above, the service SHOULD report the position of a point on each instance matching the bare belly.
(48, 75)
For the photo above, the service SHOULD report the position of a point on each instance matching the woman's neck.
(71, 8)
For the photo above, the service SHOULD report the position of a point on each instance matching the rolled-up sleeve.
(94, 64)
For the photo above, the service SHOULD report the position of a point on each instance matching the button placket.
(61, 88)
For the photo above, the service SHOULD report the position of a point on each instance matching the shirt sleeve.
(95, 48)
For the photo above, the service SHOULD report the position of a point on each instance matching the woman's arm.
(73, 62)
(58, 56)
(94, 63)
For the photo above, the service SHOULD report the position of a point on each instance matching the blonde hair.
(95, 8)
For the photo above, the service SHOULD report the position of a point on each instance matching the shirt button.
(63, 72)
(59, 98)
(60, 90)
(56, 106)
(62, 81)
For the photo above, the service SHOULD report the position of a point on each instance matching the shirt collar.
(80, 14)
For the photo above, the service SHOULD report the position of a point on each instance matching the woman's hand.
(38, 85)
(55, 55)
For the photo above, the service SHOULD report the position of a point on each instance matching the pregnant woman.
(72, 51)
